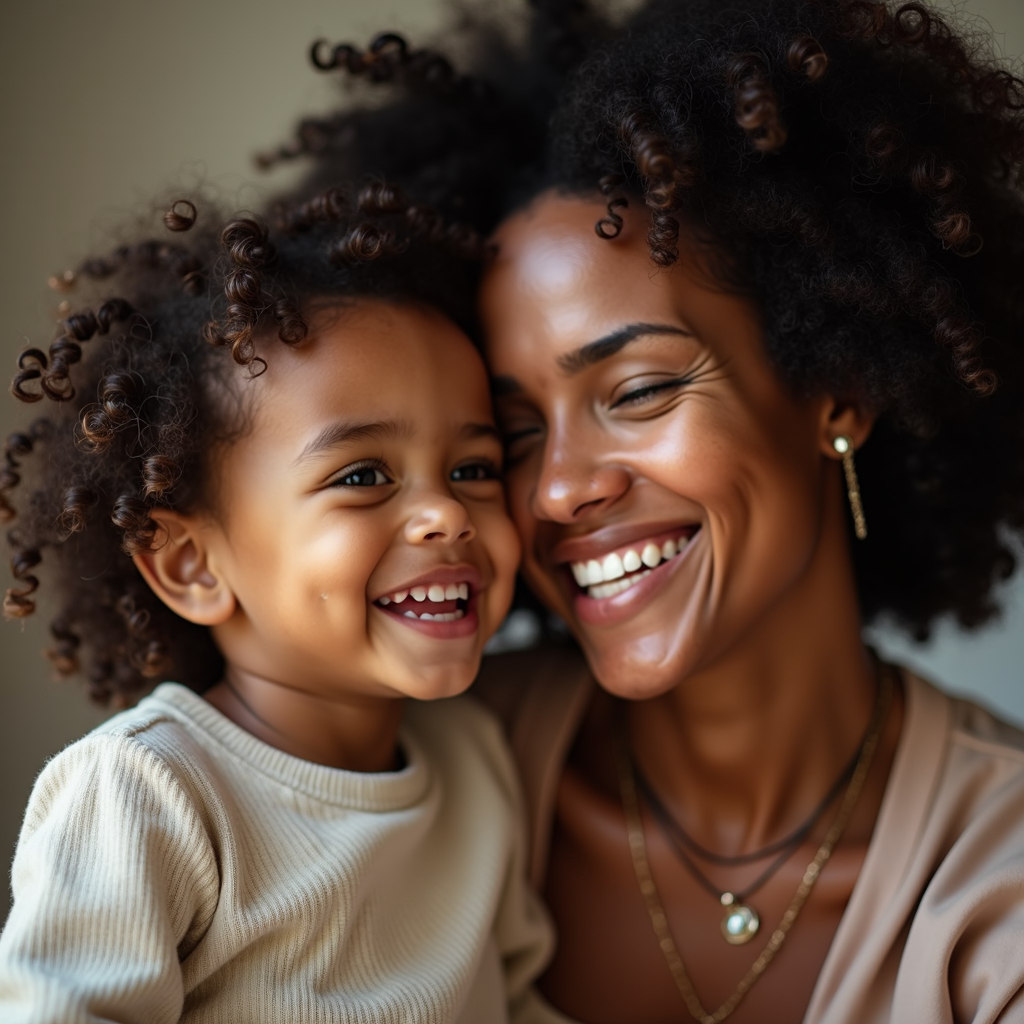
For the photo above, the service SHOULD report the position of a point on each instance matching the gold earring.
(844, 446)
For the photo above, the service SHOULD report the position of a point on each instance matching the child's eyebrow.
(475, 430)
(345, 432)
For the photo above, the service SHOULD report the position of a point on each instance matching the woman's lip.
(616, 538)
(609, 611)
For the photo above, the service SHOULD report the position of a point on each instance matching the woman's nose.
(440, 519)
(573, 484)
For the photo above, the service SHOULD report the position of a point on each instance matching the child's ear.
(844, 418)
(179, 572)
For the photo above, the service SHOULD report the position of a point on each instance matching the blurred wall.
(106, 102)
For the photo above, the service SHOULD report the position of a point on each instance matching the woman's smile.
(610, 579)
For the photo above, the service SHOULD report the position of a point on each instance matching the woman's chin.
(639, 668)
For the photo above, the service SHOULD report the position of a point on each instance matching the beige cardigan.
(934, 930)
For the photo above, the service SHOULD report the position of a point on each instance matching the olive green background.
(105, 104)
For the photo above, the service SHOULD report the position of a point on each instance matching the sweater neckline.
(364, 791)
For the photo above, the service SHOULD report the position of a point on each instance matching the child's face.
(370, 474)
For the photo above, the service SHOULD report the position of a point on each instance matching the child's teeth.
(668, 549)
(435, 592)
(631, 561)
(651, 555)
(410, 615)
(611, 567)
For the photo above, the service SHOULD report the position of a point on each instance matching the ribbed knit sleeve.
(113, 880)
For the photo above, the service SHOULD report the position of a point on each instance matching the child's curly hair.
(854, 165)
(150, 380)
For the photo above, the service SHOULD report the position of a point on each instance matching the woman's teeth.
(615, 573)
(434, 594)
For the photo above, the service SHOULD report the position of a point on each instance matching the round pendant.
(740, 923)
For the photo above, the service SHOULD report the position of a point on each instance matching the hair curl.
(149, 381)
(854, 165)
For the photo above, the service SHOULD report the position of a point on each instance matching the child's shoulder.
(168, 724)
(146, 756)
(461, 738)
(164, 742)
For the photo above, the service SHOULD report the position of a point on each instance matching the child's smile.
(442, 603)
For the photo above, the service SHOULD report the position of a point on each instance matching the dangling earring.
(844, 446)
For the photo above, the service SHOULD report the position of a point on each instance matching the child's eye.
(368, 474)
(474, 471)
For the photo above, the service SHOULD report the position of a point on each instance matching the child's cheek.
(504, 549)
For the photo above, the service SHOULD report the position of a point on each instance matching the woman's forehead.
(556, 285)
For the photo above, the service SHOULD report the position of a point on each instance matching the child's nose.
(442, 519)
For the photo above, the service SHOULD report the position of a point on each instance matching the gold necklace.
(659, 919)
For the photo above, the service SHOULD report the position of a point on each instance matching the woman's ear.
(844, 418)
(180, 573)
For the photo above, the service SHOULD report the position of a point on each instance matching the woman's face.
(671, 493)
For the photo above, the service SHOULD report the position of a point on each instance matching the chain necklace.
(659, 919)
(741, 922)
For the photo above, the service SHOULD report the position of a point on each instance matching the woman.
(754, 322)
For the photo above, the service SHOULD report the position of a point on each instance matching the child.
(273, 478)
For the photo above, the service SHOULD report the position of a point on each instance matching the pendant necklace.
(740, 922)
(652, 899)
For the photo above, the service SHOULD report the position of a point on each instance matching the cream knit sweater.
(173, 867)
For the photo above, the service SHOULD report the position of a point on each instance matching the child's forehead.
(375, 361)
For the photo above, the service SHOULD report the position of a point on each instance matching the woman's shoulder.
(967, 737)
(541, 680)
(949, 857)
(975, 727)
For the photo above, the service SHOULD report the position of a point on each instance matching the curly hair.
(855, 166)
(149, 380)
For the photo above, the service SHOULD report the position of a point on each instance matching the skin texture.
(370, 465)
(747, 683)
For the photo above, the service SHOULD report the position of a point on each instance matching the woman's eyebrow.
(603, 348)
(346, 431)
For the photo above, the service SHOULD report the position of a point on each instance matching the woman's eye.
(648, 392)
(511, 437)
(474, 471)
(517, 441)
(362, 476)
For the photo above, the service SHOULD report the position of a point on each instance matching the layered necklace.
(741, 922)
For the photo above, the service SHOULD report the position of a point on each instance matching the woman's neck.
(744, 748)
(340, 731)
